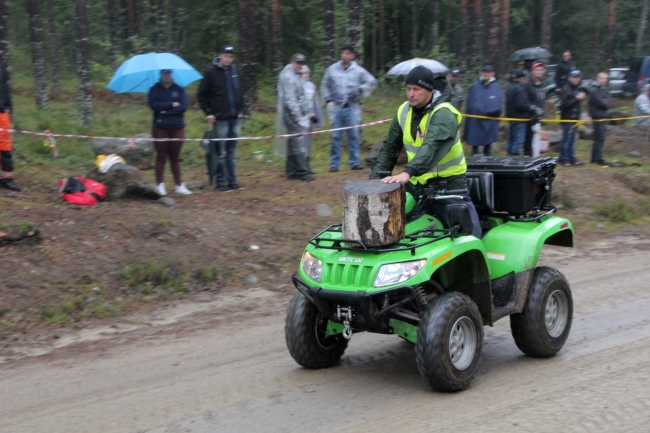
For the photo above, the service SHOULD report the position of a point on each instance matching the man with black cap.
(294, 115)
(427, 127)
(571, 96)
(457, 96)
(518, 106)
(220, 96)
(484, 99)
(343, 85)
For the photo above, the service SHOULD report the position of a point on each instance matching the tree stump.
(373, 212)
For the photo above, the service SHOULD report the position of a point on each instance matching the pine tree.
(642, 25)
(547, 20)
(161, 19)
(276, 32)
(53, 46)
(355, 27)
(248, 57)
(113, 37)
(175, 14)
(329, 55)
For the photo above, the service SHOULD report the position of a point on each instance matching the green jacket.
(441, 135)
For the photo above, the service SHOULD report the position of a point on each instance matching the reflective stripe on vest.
(452, 164)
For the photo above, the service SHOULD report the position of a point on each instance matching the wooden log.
(17, 235)
(373, 212)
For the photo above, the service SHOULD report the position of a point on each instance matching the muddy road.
(226, 369)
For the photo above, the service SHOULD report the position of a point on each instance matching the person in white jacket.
(343, 85)
(642, 106)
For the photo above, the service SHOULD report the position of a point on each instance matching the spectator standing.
(311, 93)
(537, 95)
(343, 85)
(169, 103)
(220, 96)
(599, 102)
(571, 97)
(563, 69)
(457, 94)
(642, 106)
(294, 117)
(518, 106)
(6, 141)
(484, 99)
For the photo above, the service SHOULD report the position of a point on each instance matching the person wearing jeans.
(224, 150)
(567, 146)
(571, 96)
(343, 85)
(599, 102)
(220, 95)
(518, 106)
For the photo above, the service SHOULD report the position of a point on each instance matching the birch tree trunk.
(642, 25)
(175, 17)
(113, 26)
(611, 21)
(4, 36)
(382, 36)
(463, 33)
(53, 46)
(248, 57)
(547, 22)
(38, 54)
(276, 32)
(355, 27)
(494, 57)
(329, 52)
(478, 33)
(161, 18)
(505, 33)
(84, 97)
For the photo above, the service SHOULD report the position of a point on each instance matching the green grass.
(149, 275)
(619, 211)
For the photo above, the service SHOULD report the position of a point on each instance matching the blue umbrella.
(141, 72)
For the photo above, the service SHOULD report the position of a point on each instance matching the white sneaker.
(181, 189)
(161, 189)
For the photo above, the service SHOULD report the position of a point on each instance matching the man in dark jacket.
(599, 102)
(518, 106)
(220, 96)
(563, 69)
(6, 142)
(571, 97)
(426, 126)
(537, 95)
(484, 99)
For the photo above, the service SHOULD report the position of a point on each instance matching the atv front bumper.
(371, 311)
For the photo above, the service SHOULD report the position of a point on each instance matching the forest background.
(88, 39)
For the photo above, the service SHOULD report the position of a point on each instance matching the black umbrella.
(531, 53)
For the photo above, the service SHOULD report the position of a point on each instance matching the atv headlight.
(397, 272)
(312, 267)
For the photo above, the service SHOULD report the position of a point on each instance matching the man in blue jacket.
(220, 96)
(168, 102)
(484, 99)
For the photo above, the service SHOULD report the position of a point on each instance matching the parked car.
(638, 74)
(617, 80)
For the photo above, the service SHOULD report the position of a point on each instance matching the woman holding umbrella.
(169, 103)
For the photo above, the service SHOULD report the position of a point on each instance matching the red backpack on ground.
(81, 191)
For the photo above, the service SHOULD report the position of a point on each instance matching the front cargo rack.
(411, 241)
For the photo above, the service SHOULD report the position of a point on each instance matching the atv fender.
(515, 246)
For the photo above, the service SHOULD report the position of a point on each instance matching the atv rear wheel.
(542, 328)
(449, 342)
(304, 332)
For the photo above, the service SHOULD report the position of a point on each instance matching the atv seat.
(481, 190)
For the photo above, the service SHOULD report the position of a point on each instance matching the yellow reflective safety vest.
(452, 164)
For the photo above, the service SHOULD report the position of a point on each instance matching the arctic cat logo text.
(350, 259)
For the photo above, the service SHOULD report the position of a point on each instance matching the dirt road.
(229, 371)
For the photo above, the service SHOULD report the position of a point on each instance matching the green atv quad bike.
(438, 287)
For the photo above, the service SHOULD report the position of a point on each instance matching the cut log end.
(373, 212)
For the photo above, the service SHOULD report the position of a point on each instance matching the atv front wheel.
(542, 328)
(305, 333)
(449, 342)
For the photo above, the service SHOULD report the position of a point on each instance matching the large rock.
(125, 181)
(136, 153)
(374, 153)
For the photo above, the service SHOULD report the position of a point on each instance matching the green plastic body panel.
(404, 330)
(515, 246)
(509, 246)
(333, 328)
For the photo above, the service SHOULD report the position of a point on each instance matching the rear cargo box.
(521, 184)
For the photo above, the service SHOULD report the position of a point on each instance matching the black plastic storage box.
(521, 183)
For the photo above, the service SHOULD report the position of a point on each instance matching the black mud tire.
(432, 348)
(533, 335)
(304, 332)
